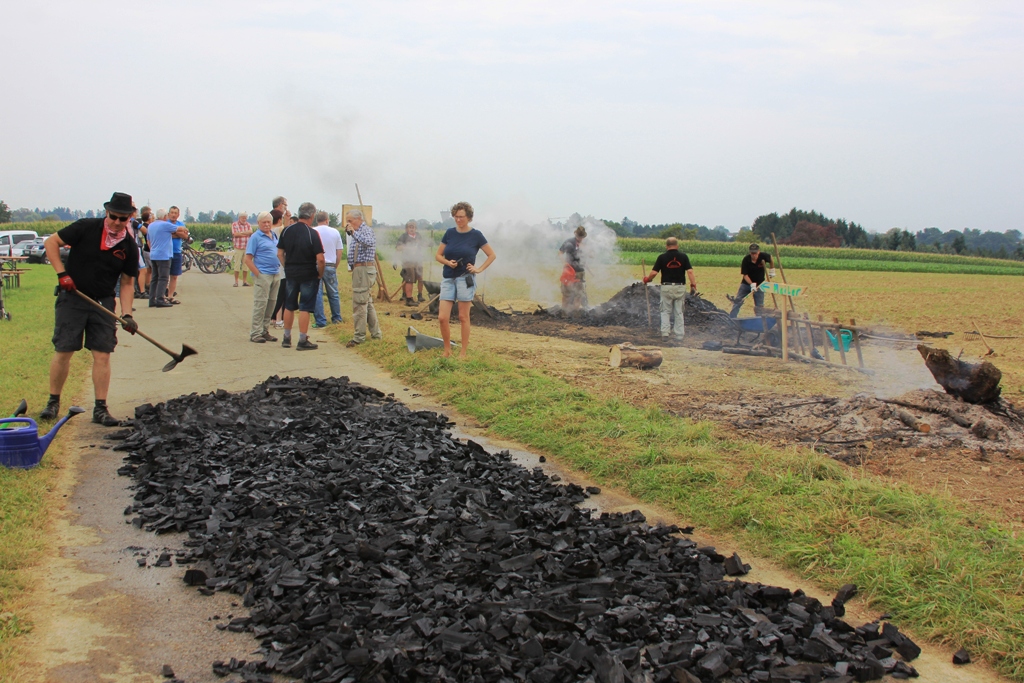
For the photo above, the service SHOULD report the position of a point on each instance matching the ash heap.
(369, 545)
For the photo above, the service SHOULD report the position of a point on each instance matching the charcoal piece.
(532, 649)
(845, 593)
(734, 566)
(961, 657)
(805, 673)
(195, 577)
(593, 490)
(880, 648)
(684, 676)
(166, 671)
(714, 663)
(164, 560)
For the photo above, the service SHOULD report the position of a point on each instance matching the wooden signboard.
(781, 288)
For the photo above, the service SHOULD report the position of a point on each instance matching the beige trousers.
(263, 302)
(363, 311)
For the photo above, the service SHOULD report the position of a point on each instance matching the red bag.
(568, 275)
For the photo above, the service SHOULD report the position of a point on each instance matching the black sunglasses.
(121, 219)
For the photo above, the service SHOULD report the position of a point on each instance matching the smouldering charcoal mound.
(370, 545)
(628, 308)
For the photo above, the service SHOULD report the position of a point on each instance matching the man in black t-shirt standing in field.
(674, 267)
(752, 270)
(302, 254)
(103, 255)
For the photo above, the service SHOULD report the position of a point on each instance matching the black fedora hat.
(120, 203)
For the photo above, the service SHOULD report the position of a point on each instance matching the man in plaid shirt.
(362, 245)
(240, 232)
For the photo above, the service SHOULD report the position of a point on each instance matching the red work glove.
(129, 325)
(646, 279)
(65, 282)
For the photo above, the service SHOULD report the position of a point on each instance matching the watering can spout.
(44, 441)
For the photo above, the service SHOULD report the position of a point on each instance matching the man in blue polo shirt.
(261, 260)
(161, 234)
(175, 271)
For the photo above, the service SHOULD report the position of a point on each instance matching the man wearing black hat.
(103, 254)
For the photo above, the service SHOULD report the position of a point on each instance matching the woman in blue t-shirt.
(457, 254)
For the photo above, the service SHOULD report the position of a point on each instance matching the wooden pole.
(810, 334)
(839, 340)
(647, 293)
(824, 342)
(782, 272)
(799, 333)
(785, 334)
(856, 341)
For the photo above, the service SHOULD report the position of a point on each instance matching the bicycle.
(209, 262)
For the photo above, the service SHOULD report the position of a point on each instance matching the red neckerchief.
(109, 240)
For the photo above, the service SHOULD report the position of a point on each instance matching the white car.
(12, 242)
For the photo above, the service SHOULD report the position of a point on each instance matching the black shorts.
(308, 289)
(74, 317)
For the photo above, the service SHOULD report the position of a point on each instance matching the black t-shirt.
(755, 270)
(97, 272)
(673, 265)
(301, 244)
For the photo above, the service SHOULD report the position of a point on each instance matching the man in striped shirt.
(362, 250)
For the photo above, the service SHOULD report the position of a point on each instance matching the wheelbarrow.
(756, 325)
(22, 447)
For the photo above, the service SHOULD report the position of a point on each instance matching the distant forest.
(810, 228)
(805, 228)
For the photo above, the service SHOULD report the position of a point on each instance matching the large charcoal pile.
(369, 545)
(629, 308)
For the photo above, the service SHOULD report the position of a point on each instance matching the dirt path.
(99, 616)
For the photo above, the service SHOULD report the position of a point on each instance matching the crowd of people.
(132, 253)
(294, 264)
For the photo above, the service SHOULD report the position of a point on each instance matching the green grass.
(25, 353)
(982, 267)
(947, 574)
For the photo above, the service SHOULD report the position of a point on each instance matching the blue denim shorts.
(176, 265)
(455, 289)
(301, 296)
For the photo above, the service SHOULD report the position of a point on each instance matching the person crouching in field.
(674, 267)
(457, 253)
(261, 260)
(752, 271)
(103, 254)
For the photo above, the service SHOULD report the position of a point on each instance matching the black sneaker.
(286, 343)
(101, 416)
(306, 345)
(51, 411)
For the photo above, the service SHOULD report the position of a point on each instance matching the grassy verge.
(24, 365)
(946, 573)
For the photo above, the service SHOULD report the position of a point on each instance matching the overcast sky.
(905, 114)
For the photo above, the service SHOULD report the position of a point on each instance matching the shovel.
(178, 357)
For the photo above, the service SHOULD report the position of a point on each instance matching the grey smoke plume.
(527, 250)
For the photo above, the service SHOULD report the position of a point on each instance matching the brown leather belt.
(364, 263)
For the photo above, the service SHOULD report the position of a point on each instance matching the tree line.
(813, 229)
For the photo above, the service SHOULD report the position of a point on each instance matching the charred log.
(628, 356)
(973, 382)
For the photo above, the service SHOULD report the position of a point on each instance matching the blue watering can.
(23, 447)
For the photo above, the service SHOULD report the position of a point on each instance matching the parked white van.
(10, 239)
